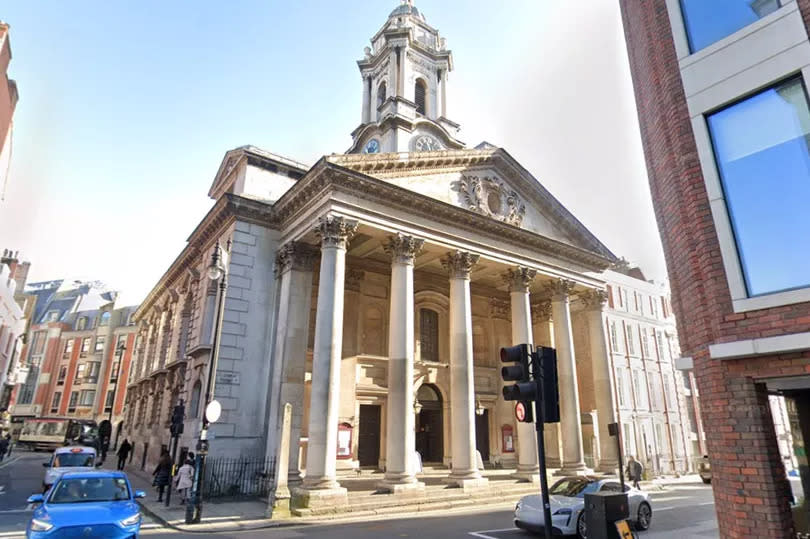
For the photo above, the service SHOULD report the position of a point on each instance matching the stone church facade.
(372, 291)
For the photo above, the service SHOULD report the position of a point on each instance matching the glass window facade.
(708, 21)
(762, 155)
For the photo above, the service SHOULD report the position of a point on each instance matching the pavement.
(682, 508)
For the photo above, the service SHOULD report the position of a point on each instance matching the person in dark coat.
(162, 473)
(635, 471)
(123, 453)
(4, 443)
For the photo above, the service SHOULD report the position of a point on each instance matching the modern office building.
(721, 91)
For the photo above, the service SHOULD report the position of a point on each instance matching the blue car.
(87, 504)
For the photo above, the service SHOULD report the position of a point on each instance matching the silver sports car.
(567, 497)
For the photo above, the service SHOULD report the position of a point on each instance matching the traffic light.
(520, 371)
(178, 413)
(550, 394)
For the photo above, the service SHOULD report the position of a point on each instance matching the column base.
(280, 506)
(608, 467)
(528, 476)
(405, 488)
(305, 499)
(467, 480)
(574, 469)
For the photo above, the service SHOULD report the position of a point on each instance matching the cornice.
(337, 178)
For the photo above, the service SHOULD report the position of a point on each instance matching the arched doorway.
(429, 423)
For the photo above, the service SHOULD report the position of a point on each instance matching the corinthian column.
(519, 280)
(399, 465)
(600, 363)
(462, 382)
(573, 454)
(320, 483)
(294, 266)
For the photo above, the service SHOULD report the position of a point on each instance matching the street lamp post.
(217, 271)
(120, 351)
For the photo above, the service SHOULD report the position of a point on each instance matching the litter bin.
(602, 511)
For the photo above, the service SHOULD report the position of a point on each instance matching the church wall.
(243, 371)
(263, 184)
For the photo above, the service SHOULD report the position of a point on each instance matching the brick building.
(8, 102)
(723, 108)
(78, 346)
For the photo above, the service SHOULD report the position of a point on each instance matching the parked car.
(705, 469)
(87, 504)
(68, 459)
(567, 497)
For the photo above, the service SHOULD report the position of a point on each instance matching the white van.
(68, 459)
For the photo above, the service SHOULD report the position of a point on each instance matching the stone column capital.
(335, 231)
(594, 299)
(519, 278)
(295, 255)
(559, 289)
(459, 264)
(403, 249)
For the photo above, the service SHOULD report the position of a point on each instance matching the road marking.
(10, 461)
(482, 533)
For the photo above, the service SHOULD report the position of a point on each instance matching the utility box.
(602, 511)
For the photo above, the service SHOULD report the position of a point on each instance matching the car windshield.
(575, 487)
(68, 460)
(90, 489)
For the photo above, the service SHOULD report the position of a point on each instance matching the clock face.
(426, 143)
(372, 146)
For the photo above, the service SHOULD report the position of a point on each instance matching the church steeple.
(405, 88)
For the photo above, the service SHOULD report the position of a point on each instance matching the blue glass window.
(708, 21)
(761, 149)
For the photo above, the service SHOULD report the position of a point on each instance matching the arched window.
(420, 96)
(429, 335)
(195, 399)
(381, 94)
(105, 319)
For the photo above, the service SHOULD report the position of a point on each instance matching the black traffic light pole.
(176, 431)
(537, 383)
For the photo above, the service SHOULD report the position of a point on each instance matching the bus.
(48, 433)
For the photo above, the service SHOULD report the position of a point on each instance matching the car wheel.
(582, 526)
(644, 516)
(706, 480)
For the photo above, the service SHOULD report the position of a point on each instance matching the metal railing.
(238, 478)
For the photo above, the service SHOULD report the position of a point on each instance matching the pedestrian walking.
(10, 443)
(635, 470)
(4, 443)
(123, 453)
(162, 473)
(183, 480)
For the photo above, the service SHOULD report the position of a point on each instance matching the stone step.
(435, 497)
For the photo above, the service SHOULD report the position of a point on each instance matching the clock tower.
(405, 88)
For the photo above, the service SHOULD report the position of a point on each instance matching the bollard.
(602, 511)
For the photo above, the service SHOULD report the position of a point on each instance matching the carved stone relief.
(491, 197)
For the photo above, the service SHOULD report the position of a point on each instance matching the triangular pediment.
(487, 181)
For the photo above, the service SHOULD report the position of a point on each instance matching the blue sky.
(126, 109)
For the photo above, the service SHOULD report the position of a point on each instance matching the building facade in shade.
(12, 320)
(372, 291)
(8, 102)
(657, 404)
(724, 113)
(78, 347)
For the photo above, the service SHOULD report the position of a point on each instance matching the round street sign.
(213, 411)
(520, 411)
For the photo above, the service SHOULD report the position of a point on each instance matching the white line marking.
(482, 533)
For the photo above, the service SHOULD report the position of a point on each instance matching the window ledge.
(777, 299)
(781, 344)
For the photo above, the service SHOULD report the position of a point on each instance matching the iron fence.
(238, 478)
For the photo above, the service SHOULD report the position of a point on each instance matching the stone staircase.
(365, 500)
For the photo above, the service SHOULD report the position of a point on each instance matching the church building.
(372, 292)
